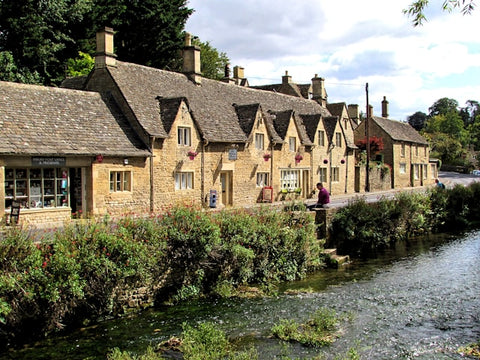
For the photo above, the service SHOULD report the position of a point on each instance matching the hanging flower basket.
(325, 161)
(342, 161)
(298, 158)
(192, 154)
(267, 157)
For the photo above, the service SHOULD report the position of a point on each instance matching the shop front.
(44, 189)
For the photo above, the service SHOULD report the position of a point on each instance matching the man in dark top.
(323, 197)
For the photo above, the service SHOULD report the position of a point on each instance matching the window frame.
(402, 168)
(322, 174)
(335, 172)
(291, 183)
(259, 141)
(121, 182)
(338, 139)
(321, 137)
(263, 179)
(184, 180)
(292, 143)
(184, 136)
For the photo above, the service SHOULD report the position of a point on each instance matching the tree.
(147, 32)
(470, 112)
(417, 8)
(212, 62)
(40, 34)
(443, 106)
(417, 120)
(9, 71)
(81, 65)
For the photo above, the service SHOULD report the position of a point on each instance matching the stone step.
(335, 260)
(330, 252)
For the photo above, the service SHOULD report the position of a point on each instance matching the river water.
(420, 300)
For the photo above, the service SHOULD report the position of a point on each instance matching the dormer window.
(259, 141)
(292, 144)
(338, 138)
(321, 138)
(184, 137)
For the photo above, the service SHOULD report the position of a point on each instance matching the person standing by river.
(323, 197)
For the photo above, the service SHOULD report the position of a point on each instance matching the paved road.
(450, 179)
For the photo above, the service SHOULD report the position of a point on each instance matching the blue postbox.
(213, 198)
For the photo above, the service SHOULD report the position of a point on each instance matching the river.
(420, 300)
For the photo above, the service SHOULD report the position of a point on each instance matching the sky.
(349, 43)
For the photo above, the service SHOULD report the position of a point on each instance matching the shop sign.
(48, 161)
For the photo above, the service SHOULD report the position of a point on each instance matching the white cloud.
(349, 43)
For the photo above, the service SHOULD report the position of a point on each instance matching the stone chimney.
(238, 72)
(105, 56)
(286, 79)
(191, 60)
(370, 111)
(318, 90)
(353, 112)
(385, 107)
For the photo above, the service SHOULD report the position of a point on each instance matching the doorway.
(227, 188)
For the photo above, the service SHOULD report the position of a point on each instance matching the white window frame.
(290, 179)
(263, 179)
(321, 138)
(259, 141)
(292, 143)
(335, 174)
(184, 136)
(402, 168)
(184, 180)
(120, 181)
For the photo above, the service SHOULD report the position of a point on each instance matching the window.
(335, 174)
(292, 143)
(289, 179)
(184, 136)
(323, 174)
(402, 150)
(416, 150)
(37, 187)
(433, 168)
(262, 179)
(403, 168)
(321, 138)
(338, 139)
(416, 171)
(259, 141)
(183, 180)
(425, 170)
(120, 181)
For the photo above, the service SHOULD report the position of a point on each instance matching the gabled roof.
(169, 110)
(330, 123)
(39, 120)
(281, 120)
(340, 110)
(211, 103)
(246, 116)
(311, 124)
(302, 131)
(399, 131)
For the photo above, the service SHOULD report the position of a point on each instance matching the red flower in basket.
(298, 158)
(191, 154)
(267, 156)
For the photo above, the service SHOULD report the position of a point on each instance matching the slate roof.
(39, 120)
(337, 109)
(400, 131)
(311, 124)
(330, 123)
(211, 103)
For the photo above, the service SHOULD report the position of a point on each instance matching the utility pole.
(367, 135)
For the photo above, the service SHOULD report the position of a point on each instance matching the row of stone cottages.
(130, 138)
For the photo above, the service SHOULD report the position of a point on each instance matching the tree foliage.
(212, 62)
(416, 10)
(417, 120)
(42, 35)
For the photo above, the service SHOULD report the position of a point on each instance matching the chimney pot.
(319, 93)
(105, 56)
(385, 107)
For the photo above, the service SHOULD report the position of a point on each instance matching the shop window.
(120, 181)
(262, 179)
(183, 180)
(321, 138)
(259, 141)
(184, 136)
(290, 179)
(37, 187)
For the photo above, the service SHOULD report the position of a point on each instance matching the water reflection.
(419, 300)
